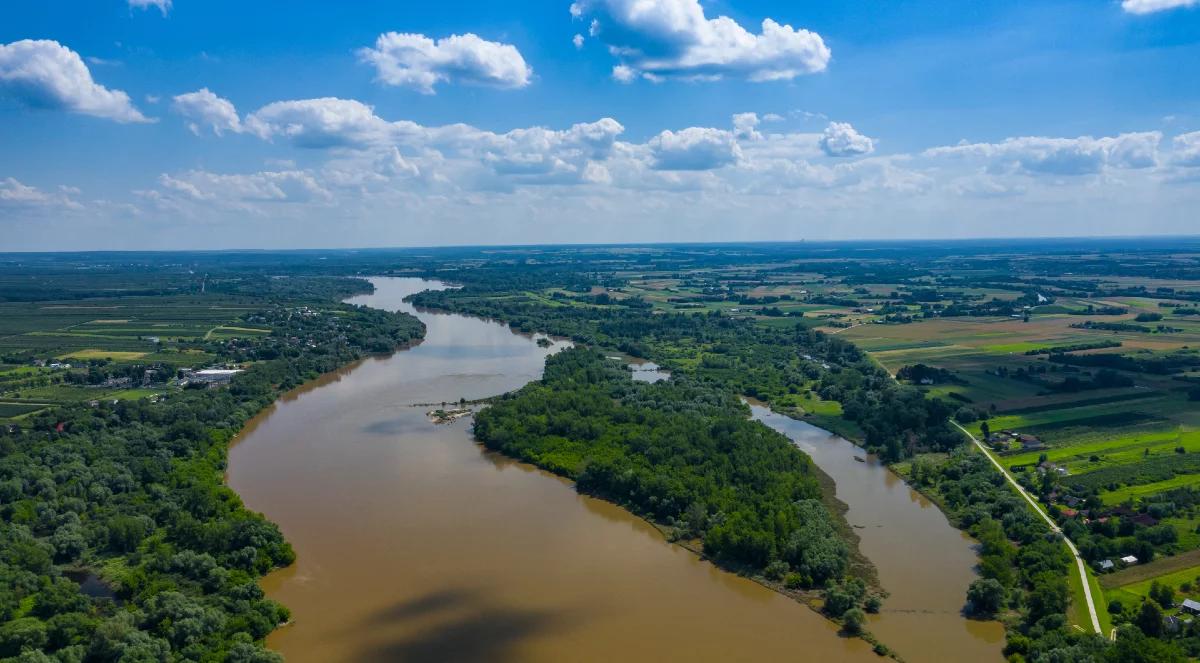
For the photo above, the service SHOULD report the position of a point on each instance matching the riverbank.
(400, 524)
(924, 562)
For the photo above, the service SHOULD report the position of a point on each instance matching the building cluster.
(1002, 441)
(212, 377)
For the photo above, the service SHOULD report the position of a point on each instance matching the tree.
(854, 619)
(1133, 647)
(1150, 619)
(986, 595)
(1162, 594)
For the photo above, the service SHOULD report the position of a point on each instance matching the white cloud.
(744, 126)
(45, 74)
(14, 194)
(1186, 149)
(375, 166)
(418, 62)
(701, 181)
(292, 186)
(694, 148)
(841, 140)
(1062, 156)
(203, 109)
(674, 39)
(163, 6)
(321, 123)
(623, 74)
(577, 40)
(1152, 6)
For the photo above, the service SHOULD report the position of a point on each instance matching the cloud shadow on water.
(459, 625)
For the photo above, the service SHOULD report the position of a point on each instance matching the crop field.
(1132, 585)
(163, 330)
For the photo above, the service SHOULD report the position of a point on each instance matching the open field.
(114, 355)
(1182, 564)
(168, 332)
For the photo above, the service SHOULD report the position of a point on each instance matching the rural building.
(212, 376)
(1129, 559)
(1190, 607)
(1030, 442)
(1107, 565)
(1145, 519)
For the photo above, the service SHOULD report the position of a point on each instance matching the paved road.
(1083, 577)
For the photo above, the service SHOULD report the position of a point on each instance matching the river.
(415, 544)
(924, 563)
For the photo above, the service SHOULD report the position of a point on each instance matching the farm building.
(1129, 559)
(212, 376)
(1189, 606)
(1107, 565)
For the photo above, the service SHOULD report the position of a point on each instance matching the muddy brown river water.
(414, 544)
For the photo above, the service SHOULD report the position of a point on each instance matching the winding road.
(1083, 577)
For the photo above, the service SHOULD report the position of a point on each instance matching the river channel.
(415, 544)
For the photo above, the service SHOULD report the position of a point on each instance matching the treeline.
(1164, 364)
(680, 452)
(1075, 347)
(129, 498)
(740, 356)
(1024, 568)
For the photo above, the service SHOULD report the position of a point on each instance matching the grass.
(1132, 492)
(9, 410)
(1163, 566)
(92, 353)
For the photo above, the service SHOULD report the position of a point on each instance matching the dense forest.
(679, 452)
(737, 355)
(119, 540)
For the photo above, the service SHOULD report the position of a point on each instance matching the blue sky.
(486, 123)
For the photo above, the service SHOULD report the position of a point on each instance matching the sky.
(190, 124)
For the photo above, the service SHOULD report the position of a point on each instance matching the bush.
(854, 619)
(986, 596)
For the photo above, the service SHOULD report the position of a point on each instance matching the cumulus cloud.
(45, 74)
(674, 39)
(694, 148)
(841, 140)
(203, 109)
(445, 175)
(577, 40)
(1152, 6)
(291, 186)
(163, 6)
(1062, 156)
(1186, 149)
(372, 160)
(418, 62)
(321, 123)
(744, 126)
(14, 194)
